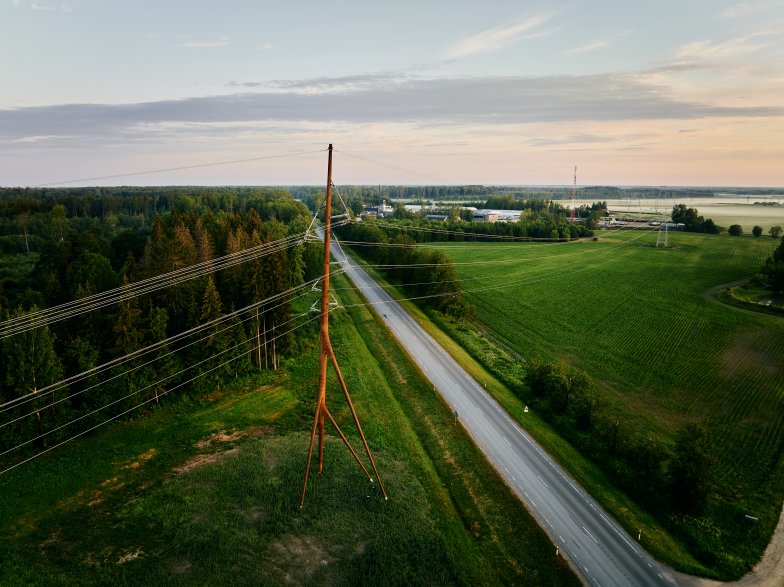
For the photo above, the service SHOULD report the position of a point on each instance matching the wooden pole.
(324, 332)
(325, 354)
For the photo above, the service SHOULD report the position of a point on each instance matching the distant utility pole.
(326, 352)
(574, 195)
(661, 239)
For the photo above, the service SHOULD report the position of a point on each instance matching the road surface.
(600, 550)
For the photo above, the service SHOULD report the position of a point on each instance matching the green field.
(659, 351)
(206, 492)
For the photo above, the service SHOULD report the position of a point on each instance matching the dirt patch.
(138, 461)
(197, 461)
(130, 556)
(259, 431)
(220, 436)
(253, 514)
(200, 460)
(182, 567)
(300, 557)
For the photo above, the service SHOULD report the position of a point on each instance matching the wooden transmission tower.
(326, 352)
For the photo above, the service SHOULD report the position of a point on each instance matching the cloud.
(222, 41)
(572, 139)
(497, 38)
(589, 47)
(456, 102)
(706, 50)
(43, 139)
(41, 7)
(265, 47)
(749, 8)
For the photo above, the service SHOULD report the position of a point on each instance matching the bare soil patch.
(300, 556)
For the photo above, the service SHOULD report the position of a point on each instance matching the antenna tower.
(574, 195)
(326, 352)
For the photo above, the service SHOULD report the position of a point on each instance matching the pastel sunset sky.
(687, 92)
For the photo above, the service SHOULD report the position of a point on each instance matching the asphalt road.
(598, 548)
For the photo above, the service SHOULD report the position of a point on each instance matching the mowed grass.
(207, 491)
(637, 320)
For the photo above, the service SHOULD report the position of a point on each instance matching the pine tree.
(215, 343)
(128, 338)
(159, 373)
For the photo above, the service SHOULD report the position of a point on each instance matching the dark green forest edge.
(198, 483)
(765, 291)
(675, 481)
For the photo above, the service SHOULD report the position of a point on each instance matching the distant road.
(600, 550)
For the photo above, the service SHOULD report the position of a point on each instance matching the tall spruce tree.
(31, 364)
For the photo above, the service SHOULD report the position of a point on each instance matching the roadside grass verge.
(206, 491)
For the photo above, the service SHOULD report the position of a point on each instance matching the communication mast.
(574, 195)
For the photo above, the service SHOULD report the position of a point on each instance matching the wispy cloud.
(592, 46)
(41, 7)
(749, 8)
(222, 41)
(457, 102)
(43, 138)
(499, 37)
(265, 47)
(707, 51)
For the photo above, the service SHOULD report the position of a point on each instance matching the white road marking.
(507, 441)
(543, 483)
(618, 533)
(591, 535)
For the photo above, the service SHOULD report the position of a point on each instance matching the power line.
(178, 168)
(504, 285)
(135, 289)
(395, 167)
(50, 389)
(142, 403)
(475, 278)
(90, 303)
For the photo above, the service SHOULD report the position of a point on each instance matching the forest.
(71, 360)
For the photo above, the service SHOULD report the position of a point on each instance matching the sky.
(112, 92)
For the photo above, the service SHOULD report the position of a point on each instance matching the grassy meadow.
(660, 352)
(206, 491)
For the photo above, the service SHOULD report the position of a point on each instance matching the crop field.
(637, 319)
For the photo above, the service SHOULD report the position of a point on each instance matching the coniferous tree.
(128, 338)
(209, 351)
(31, 364)
(159, 374)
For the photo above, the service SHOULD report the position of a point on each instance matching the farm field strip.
(638, 322)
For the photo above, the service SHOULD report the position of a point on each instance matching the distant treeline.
(539, 219)
(31, 211)
(428, 275)
(94, 240)
(470, 194)
(692, 220)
